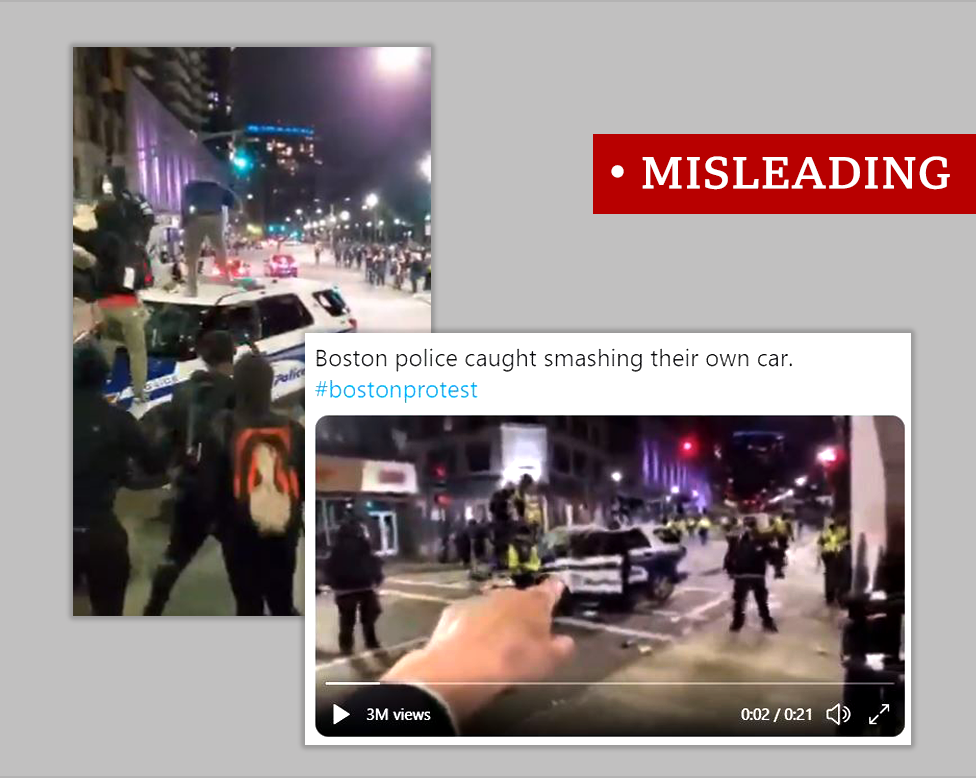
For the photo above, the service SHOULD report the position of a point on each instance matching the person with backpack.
(254, 459)
(121, 271)
(354, 572)
(105, 440)
(185, 420)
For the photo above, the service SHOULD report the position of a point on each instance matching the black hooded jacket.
(252, 381)
(352, 565)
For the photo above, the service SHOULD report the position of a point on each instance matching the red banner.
(784, 174)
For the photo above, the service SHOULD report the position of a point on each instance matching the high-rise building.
(179, 78)
(146, 109)
(99, 131)
(283, 173)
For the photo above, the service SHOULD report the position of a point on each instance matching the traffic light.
(242, 162)
(688, 447)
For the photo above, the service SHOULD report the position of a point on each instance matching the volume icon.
(839, 713)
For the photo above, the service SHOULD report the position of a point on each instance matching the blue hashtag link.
(320, 389)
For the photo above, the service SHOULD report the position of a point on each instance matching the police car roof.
(226, 294)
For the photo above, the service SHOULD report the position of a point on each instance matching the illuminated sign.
(275, 129)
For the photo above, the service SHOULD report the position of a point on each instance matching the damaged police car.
(613, 567)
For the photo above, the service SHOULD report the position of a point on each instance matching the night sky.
(374, 127)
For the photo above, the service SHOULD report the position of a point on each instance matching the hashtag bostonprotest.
(405, 392)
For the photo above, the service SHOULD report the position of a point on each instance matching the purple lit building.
(162, 154)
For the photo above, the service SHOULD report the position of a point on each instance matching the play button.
(338, 714)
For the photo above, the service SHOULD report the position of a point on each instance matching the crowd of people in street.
(397, 264)
(234, 464)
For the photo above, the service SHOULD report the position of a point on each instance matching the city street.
(203, 588)
(377, 309)
(675, 670)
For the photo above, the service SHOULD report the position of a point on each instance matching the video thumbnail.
(610, 576)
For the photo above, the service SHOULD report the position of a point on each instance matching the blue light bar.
(275, 129)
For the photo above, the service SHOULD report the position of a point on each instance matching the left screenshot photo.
(226, 202)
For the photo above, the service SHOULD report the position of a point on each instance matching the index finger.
(551, 589)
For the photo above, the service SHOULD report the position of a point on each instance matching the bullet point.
(617, 171)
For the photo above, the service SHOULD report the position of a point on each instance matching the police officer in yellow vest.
(523, 558)
(527, 506)
(704, 526)
(835, 548)
(781, 536)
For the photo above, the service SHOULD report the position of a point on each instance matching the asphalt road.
(377, 309)
(669, 671)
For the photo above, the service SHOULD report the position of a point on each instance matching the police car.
(271, 316)
(589, 560)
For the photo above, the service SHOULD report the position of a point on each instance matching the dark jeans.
(837, 576)
(261, 571)
(368, 606)
(101, 561)
(189, 532)
(740, 592)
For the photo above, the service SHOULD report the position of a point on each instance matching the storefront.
(381, 494)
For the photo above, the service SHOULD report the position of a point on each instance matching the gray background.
(518, 91)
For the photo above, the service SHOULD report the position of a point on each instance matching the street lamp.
(675, 489)
(394, 60)
(372, 200)
(801, 481)
(616, 476)
(298, 212)
(425, 168)
(344, 216)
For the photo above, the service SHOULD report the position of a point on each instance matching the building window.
(560, 458)
(479, 457)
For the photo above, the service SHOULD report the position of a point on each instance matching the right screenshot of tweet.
(608, 538)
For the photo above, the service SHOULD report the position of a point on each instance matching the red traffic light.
(688, 447)
(440, 472)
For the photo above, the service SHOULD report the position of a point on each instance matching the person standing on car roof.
(185, 420)
(253, 459)
(527, 505)
(746, 562)
(105, 439)
(354, 572)
(118, 244)
(502, 520)
(203, 219)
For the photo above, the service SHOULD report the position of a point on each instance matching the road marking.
(363, 654)
(707, 589)
(432, 584)
(695, 613)
(593, 625)
(417, 596)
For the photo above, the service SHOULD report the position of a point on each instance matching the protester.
(354, 571)
(185, 421)
(257, 478)
(203, 219)
(105, 439)
(121, 269)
